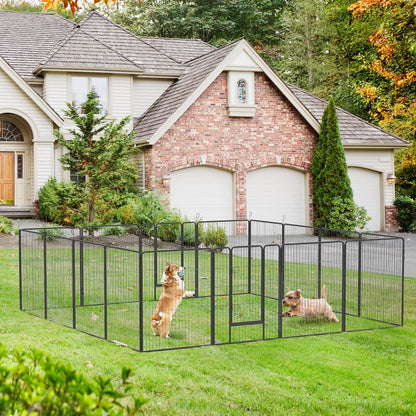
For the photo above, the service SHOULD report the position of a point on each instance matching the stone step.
(17, 212)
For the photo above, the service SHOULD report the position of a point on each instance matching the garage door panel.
(276, 194)
(366, 187)
(202, 191)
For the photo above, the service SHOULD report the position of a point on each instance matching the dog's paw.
(285, 313)
(188, 294)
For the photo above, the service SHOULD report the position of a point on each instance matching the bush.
(6, 225)
(189, 232)
(32, 383)
(214, 237)
(115, 230)
(62, 203)
(405, 212)
(50, 233)
(346, 215)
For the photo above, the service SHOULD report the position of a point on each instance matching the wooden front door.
(6, 178)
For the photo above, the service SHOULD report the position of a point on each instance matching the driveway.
(409, 239)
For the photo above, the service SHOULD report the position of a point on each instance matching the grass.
(356, 373)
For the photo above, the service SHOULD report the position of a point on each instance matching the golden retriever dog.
(172, 294)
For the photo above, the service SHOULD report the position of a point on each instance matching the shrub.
(62, 203)
(346, 215)
(32, 383)
(405, 212)
(6, 225)
(214, 237)
(115, 230)
(50, 233)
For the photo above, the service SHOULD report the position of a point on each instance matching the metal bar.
(249, 257)
(182, 245)
(360, 250)
(319, 262)
(74, 316)
(20, 273)
(281, 287)
(403, 259)
(263, 277)
(141, 299)
(344, 284)
(155, 282)
(258, 322)
(230, 296)
(81, 266)
(45, 279)
(212, 296)
(196, 260)
(105, 293)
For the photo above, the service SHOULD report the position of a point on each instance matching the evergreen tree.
(332, 192)
(100, 152)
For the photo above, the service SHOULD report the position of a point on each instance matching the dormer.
(241, 86)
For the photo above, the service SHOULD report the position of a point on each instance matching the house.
(217, 133)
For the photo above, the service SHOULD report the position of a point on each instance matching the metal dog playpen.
(90, 281)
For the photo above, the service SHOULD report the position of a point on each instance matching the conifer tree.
(332, 193)
(99, 151)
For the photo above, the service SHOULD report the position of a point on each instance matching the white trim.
(39, 69)
(42, 104)
(240, 46)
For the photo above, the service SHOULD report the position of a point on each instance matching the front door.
(6, 178)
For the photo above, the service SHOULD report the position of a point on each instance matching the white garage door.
(202, 191)
(276, 194)
(366, 187)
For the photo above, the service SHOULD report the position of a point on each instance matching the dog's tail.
(323, 294)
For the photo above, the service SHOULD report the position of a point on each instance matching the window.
(19, 166)
(241, 97)
(241, 92)
(9, 132)
(82, 85)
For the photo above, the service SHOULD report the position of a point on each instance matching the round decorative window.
(9, 132)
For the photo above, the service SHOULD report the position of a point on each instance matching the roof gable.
(42, 104)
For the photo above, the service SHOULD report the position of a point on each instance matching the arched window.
(241, 92)
(9, 132)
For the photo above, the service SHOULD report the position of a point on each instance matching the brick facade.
(392, 224)
(236, 144)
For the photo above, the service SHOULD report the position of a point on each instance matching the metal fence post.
(262, 289)
(281, 287)
(360, 250)
(249, 257)
(81, 267)
(155, 276)
(105, 293)
(45, 278)
(319, 262)
(196, 258)
(212, 296)
(141, 327)
(344, 284)
(20, 273)
(74, 317)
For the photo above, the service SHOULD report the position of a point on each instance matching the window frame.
(89, 78)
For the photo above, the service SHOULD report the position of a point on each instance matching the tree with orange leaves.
(390, 86)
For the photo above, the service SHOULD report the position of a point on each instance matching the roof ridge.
(75, 30)
(347, 112)
(95, 12)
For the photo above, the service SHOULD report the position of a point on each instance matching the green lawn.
(355, 373)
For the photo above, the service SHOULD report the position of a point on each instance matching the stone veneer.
(392, 224)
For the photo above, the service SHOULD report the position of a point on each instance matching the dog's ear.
(298, 293)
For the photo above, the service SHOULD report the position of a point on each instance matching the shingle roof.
(173, 98)
(81, 50)
(26, 38)
(354, 131)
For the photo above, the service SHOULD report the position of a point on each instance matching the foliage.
(50, 233)
(190, 230)
(115, 230)
(329, 168)
(6, 225)
(27, 6)
(100, 151)
(62, 203)
(214, 237)
(32, 383)
(406, 171)
(346, 215)
(406, 212)
(390, 64)
(217, 22)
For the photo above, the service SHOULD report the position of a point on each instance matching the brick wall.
(391, 218)
(235, 144)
